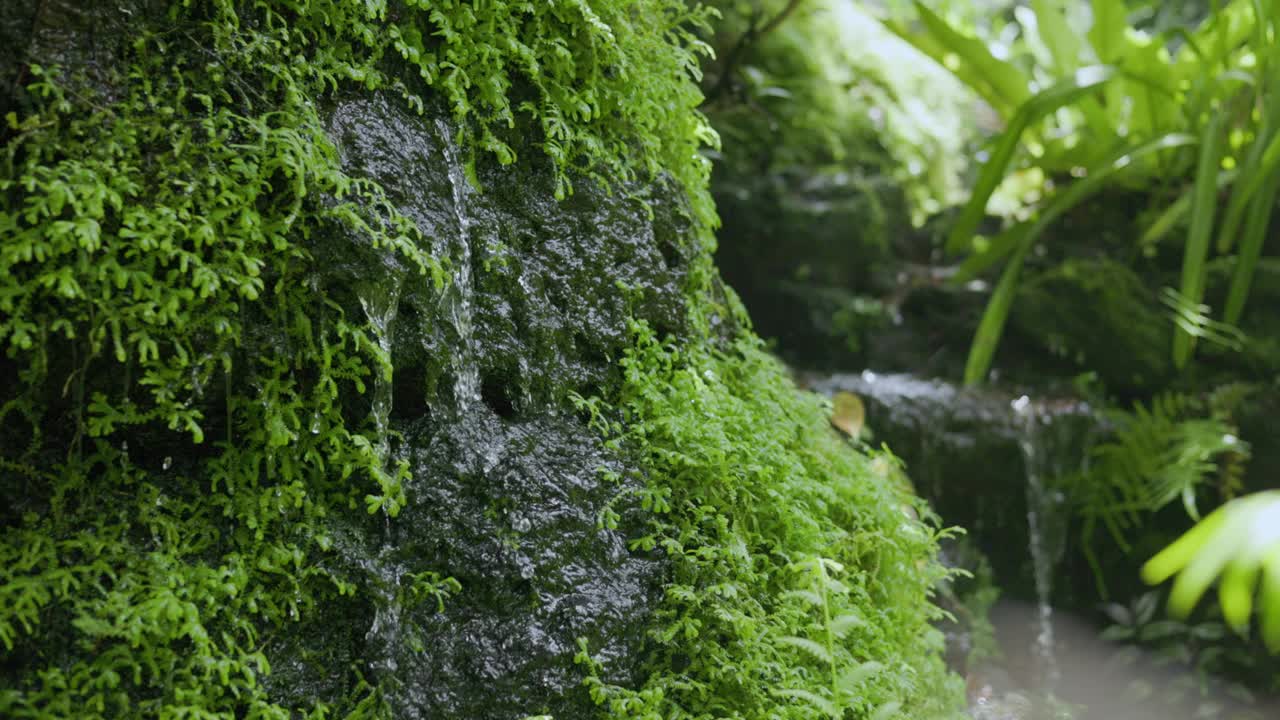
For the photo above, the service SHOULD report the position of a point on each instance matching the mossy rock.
(326, 406)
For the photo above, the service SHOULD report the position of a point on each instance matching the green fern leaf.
(814, 699)
(842, 624)
(852, 678)
(886, 711)
(818, 652)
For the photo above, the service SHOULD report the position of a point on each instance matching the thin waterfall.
(381, 302)
(459, 296)
(1040, 509)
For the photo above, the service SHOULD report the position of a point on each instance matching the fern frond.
(814, 699)
(815, 650)
(886, 711)
(1160, 453)
(842, 624)
(853, 677)
(808, 596)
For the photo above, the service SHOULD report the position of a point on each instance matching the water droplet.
(315, 425)
(124, 447)
(168, 463)
(521, 524)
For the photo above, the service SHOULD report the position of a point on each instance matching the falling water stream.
(381, 302)
(1044, 534)
(459, 298)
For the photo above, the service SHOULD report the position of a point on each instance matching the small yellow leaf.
(848, 413)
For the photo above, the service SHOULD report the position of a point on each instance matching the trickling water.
(1041, 510)
(459, 297)
(381, 301)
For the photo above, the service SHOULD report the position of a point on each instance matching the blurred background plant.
(1042, 194)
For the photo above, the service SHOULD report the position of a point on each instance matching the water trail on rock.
(459, 297)
(381, 302)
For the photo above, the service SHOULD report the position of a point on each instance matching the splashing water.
(459, 298)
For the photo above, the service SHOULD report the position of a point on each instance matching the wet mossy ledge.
(367, 359)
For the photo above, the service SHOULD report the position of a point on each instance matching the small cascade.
(459, 296)
(1045, 543)
(381, 301)
(976, 453)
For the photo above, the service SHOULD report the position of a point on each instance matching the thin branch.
(753, 35)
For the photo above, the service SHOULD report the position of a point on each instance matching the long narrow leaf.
(996, 315)
(993, 319)
(1166, 221)
(970, 76)
(1057, 35)
(1259, 165)
(1255, 233)
(1107, 36)
(1000, 83)
(1083, 82)
(1203, 206)
(1095, 180)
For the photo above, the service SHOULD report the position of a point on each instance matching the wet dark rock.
(507, 486)
(966, 452)
(547, 302)
(510, 510)
(84, 39)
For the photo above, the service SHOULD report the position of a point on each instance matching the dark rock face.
(548, 285)
(507, 486)
(510, 510)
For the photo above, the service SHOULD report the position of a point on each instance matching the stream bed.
(1096, 679)
(992, 461)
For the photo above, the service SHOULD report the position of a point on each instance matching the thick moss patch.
(800, 570)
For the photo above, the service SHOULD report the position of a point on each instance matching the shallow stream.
(991, 461)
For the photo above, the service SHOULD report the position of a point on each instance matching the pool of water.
(1095, 679)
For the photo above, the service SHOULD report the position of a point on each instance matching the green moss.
(796, 560)
(178, 300)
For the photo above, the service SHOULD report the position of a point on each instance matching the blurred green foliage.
(1104, 105)
(820, 85)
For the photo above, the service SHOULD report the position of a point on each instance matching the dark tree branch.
(753, 35)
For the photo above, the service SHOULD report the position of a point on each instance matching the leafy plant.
(1160, 453)
(818, 87)
(188, 408)
(794, 558)
(1197, 102)
(1238, 543)
(823, 589)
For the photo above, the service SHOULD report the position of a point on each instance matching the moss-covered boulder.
(367, 359)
